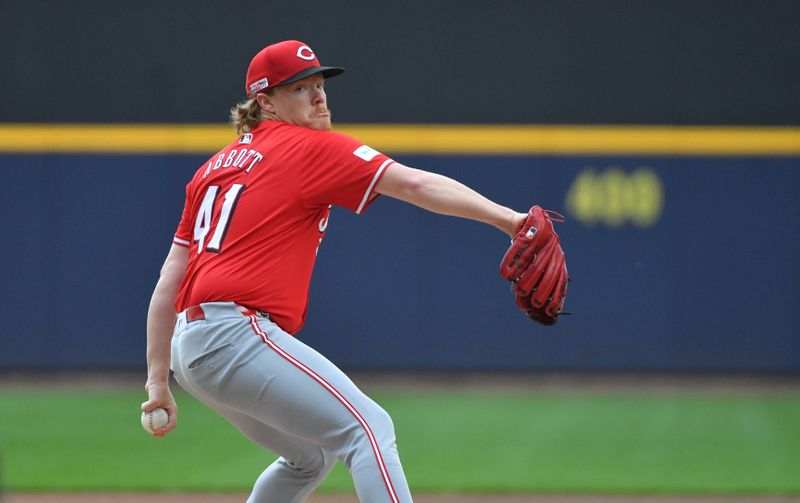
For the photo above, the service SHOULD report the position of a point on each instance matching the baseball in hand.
(154, 420)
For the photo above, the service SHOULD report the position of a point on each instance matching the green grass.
(519, 442)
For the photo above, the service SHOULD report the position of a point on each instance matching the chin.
(321, 125)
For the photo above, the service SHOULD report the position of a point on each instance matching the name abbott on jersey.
(235, 158)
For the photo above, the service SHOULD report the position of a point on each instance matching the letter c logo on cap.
(305, 52)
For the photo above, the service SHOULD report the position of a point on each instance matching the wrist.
(153, 383)
(515, 222)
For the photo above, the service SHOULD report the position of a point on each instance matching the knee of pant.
(380, 425)
(309, 467)
(377, 432)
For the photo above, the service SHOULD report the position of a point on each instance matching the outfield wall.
(682, 241)
(680, 261)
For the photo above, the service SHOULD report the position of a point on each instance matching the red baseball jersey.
(256, 213)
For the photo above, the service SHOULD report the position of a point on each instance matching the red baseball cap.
(284, 63)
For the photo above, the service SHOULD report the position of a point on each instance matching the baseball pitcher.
(239, 269)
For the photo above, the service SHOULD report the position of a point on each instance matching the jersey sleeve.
(342, 171)
(183, 236)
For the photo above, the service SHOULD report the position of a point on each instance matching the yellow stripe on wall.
(114, 138)
(419, 139)
(629, 140)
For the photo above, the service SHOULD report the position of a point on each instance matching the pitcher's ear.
(265, 103)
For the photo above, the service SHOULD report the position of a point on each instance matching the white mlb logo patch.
(365, 152)
(246, 138)
(259, 85)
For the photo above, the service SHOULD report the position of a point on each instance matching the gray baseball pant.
(289, 399)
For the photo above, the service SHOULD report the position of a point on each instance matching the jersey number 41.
(205, 217)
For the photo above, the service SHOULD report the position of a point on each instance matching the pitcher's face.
(303, 103)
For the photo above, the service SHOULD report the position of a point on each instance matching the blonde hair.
(245, 116)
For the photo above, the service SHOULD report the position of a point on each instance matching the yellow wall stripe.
(419, 139)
